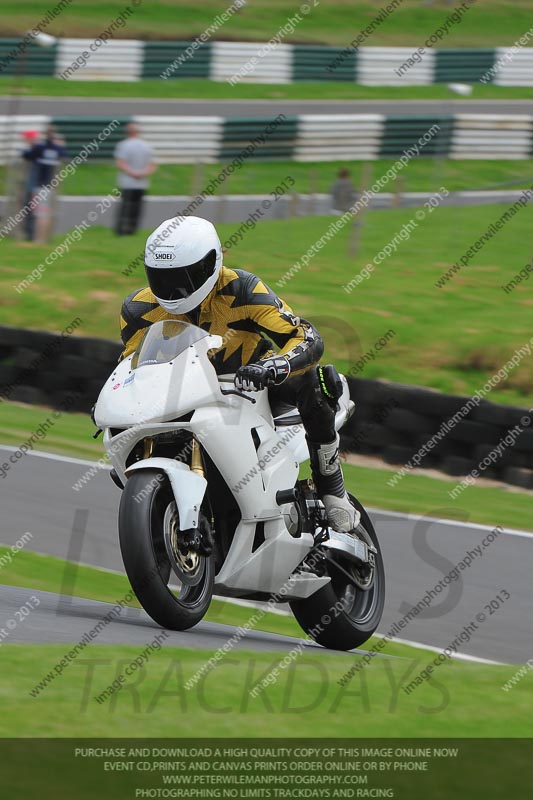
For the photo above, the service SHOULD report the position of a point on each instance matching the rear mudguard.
(188, 487)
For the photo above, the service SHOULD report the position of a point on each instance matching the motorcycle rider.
(187, 281)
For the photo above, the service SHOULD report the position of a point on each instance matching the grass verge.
(336, 22)
(460, 700)
(259, 177)
(203, 89)
(453, 702)
(462, 334)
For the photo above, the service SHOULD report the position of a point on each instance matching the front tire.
(147, 511)
(361, 609)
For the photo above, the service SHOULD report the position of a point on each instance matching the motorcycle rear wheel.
(354, 623)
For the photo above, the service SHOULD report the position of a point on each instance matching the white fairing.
(187, 487)
(158, 393)
(256, 460)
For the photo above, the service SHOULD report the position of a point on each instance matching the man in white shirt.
(134, 160)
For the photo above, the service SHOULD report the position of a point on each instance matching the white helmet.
(183, 258)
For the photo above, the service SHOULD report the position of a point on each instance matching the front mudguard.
(188, 487)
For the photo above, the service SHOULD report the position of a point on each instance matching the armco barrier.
(115, 60)
(17, 59)
(277, 143)
(80, 131)
(183, 140)
(11, 128)
(259, 62)
(392, 421)
(312, 62)
(517, 71)
(167, 60)
(306, 137)
(379, 66)
(491, 136)
(401, 133)
(340, 137)
(462, 66)
(249, 63)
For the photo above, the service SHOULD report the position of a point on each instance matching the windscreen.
(165, 340)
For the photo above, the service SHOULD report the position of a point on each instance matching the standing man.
(134, 160)
(30, 137)
(45, 157)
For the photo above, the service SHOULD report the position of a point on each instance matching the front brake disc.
(187, 564)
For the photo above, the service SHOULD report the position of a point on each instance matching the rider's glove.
(270, 372)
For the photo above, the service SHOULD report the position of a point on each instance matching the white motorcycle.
(212, 501)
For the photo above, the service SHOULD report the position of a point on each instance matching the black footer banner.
(429, 769)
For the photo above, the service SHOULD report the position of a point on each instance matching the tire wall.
(391, 421)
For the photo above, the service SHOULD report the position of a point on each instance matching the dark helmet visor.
(178, 283)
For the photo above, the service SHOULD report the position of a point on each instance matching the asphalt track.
(123, 107)
(64, 619)
(37, 496)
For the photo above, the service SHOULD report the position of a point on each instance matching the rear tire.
(146, 507)
(357, 621)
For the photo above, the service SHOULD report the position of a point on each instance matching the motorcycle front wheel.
(347, 611)
(173, 582)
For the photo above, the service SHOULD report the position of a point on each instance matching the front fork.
(196, 459)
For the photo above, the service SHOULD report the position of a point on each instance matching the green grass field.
(200, 89)
(416, 494)
(260, 177)
(451, 339)
(335, 22)
(460, 700)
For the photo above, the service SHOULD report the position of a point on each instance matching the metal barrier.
(379, 66)
(116, 60)
(183, 140)
(17, 59)
(259, 62)
(252, 63)
(492, 136)
(169, 60)
(342, 137)
(309, 137)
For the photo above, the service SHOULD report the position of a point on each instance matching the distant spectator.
(45, 157)
(30, 137)
(134, 160)
(343, 192)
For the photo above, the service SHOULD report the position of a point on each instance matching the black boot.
(329, 482)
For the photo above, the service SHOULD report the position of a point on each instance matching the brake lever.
(239, 394)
